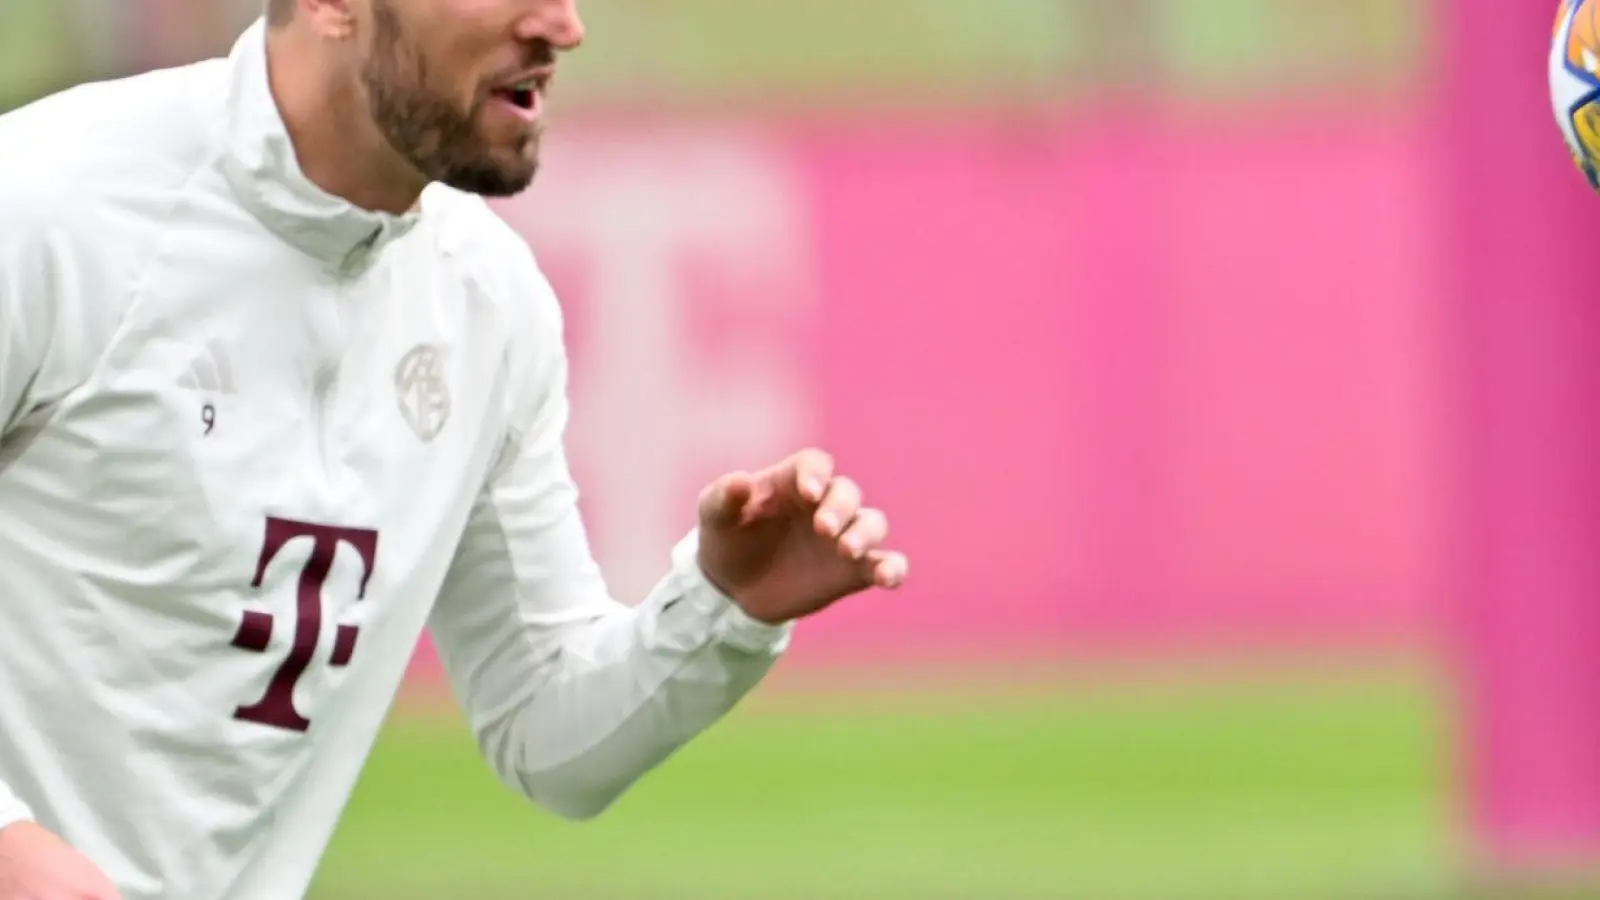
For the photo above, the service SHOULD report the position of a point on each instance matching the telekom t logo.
(663, 293)
(276, 707)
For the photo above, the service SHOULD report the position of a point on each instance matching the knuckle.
(818, 457)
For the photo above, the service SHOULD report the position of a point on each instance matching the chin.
(491, 180)
(501, 168)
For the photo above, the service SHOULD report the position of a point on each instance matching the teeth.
(526, 86)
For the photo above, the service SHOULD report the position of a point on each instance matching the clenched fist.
(793, 539)
(37, 865)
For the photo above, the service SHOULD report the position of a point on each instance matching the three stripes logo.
(209, 371)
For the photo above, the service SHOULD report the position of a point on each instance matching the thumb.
(722, 503)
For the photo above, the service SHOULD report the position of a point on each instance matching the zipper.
(327, 379)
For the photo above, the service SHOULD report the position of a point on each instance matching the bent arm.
(574, 696)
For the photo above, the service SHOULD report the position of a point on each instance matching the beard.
(430, 130)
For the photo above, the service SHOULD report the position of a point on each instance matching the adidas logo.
(209, 371)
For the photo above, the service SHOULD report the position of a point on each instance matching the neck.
(336, 143)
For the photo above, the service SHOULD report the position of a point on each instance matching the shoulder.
(502, 267)
(80, 160)
(504, 272)
(101, 159)
(88, 176)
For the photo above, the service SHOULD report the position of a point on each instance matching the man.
(277, 392)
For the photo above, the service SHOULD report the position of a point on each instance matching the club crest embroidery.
(422, 391)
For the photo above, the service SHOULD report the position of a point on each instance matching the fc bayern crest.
(422, 391)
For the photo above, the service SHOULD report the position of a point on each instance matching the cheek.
(458, 77)
(444, 82)
(473, 52)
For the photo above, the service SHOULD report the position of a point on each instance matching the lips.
(524, 95)
(524, 91)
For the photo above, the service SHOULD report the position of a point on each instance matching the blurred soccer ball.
(1575, 82)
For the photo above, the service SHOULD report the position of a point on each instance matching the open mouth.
(522, 97)
(526, 97)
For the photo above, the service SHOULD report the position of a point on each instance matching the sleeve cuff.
(12, 809)
(727, 621)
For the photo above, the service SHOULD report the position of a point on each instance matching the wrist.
(17, 827)
(756, 615)
(706, 597)
(752, 610)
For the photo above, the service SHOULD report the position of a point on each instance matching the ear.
(329, 18)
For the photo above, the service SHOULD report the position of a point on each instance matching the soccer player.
(278, 391)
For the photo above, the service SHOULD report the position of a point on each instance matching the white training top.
(252, 441)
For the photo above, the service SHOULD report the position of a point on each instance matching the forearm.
(610, 698)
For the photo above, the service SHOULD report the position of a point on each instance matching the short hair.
(279, 12)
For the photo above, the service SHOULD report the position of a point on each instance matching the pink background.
(1116, 397)
(1525, 549)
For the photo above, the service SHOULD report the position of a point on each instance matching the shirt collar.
(261, 166)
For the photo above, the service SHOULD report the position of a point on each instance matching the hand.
(37, 865)
(788, 541)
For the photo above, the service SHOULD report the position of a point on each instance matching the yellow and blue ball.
(1575, 82)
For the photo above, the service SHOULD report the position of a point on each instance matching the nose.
(554, 21)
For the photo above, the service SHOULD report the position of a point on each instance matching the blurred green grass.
(1323, 788)
(934, 55)
(945, 54)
